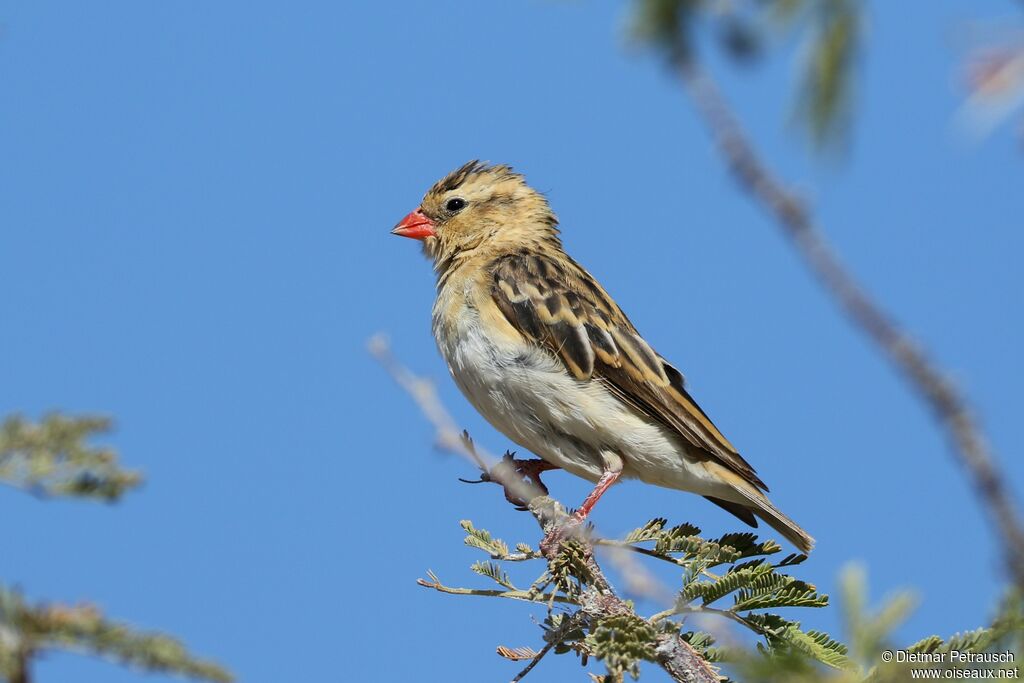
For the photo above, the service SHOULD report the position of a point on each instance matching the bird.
(542, 351)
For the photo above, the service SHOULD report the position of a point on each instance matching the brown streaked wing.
(555, 302)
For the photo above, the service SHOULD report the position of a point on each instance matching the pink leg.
(607, 479)
(553, 539)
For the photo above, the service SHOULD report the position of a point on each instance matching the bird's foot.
(520, 479)
(531, 470)
(564, 529)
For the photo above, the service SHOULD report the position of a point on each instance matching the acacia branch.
(525, 596)
(599, 601)
(926, 380)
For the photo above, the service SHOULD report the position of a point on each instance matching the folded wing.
(559, 305)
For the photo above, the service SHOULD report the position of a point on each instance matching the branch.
(448, 437)
(673, 654)
(599, 600)
(681, 661)
(525, 596)
(928, 383)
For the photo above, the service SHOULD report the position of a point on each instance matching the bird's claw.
(528, 472)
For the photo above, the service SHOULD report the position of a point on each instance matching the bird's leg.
(606, 480)
(561, 531)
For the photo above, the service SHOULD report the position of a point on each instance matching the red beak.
(416, 226)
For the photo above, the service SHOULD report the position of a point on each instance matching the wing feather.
(556, 303)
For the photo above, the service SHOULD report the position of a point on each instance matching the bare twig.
(931, 385)
(525, 596)
(449, 438)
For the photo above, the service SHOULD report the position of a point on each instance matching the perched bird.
(549, 358)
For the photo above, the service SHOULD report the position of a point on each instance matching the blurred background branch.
(27, 631)
(51, 458)
(667, 25)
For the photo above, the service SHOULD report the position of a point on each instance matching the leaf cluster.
(869, 633)
(735, 577)
(621, 640)
(829, 30)
(53, 458)
(26, 630)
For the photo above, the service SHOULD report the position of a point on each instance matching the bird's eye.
(455, 204)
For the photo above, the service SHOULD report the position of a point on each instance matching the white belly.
(526, 393)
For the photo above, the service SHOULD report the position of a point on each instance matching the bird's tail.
(753, 500)
(790, 530)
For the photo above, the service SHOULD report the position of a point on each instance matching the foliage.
(823, 100)
(870, 634)
(53, 458)
(830, 31)
(26, 630)
(731, 578)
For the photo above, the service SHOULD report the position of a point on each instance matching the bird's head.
(481, 209)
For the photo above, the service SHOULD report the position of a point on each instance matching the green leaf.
(481, 538)
(970, 641)
(710, 591)
(648, 532)
(681, 539)
(782, 633)
(791, 560)
(825, 89)
(493, 571)
(621, 642)
(791, 595)
(737, 546)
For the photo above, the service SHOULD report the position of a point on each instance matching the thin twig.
(449, 437)
(533, 662)
(928, 383)
(629, 547)
(525, 596)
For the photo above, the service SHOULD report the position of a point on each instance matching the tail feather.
(789, 529)
(738, 509)
(753, 500)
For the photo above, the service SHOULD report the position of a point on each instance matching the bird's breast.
(527, 394)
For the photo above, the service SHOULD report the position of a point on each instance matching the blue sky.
(195, 205)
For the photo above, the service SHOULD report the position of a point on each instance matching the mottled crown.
(475, 170)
